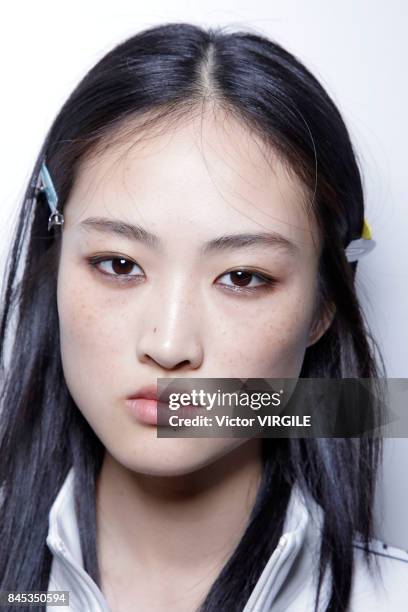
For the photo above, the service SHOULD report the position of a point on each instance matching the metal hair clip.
(46, 185)
(354, 251)
(361, 246)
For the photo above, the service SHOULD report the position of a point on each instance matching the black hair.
(162, 73)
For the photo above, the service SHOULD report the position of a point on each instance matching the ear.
(321, 323)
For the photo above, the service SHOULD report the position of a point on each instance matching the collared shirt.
(287, 582)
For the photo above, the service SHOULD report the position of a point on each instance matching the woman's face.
(176, 308)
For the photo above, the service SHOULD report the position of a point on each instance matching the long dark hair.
(158, 75)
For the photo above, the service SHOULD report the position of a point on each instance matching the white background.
(358, 50)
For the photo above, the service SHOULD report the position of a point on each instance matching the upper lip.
(148, 392)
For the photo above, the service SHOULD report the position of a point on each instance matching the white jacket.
(287, 583)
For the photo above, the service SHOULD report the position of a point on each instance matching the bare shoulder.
(384, 586)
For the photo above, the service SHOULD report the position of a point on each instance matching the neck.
(187, 525)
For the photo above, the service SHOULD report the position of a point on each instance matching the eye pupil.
(242, 278)
(124, 267)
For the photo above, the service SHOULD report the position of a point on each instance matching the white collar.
(67, 572)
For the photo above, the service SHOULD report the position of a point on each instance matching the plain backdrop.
(358, 50)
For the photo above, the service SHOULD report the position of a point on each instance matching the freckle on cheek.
(78, 317)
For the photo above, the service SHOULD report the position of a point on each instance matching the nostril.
(182, 364)
(186, 362)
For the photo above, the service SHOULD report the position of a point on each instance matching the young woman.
(208, 190)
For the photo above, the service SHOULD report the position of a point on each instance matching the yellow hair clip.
(366, 233)
(361, 246)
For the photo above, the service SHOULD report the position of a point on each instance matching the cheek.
(90, 337)
(270, 341)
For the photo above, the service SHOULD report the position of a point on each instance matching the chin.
(171, 456)
(167, 459)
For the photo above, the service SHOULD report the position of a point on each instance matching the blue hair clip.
(354, 251)
(47, 186)
(361, 246)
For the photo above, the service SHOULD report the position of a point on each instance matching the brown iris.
(121, 265)
(241, 278)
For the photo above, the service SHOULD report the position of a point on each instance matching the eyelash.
(268, 281)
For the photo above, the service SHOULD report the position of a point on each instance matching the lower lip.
(145, 410)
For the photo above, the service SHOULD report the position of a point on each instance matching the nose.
(170, 337)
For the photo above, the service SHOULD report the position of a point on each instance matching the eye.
(248, 281)
(119, 268)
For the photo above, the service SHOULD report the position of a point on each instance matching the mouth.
(146, 407)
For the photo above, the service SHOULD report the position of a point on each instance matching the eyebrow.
(225, 242)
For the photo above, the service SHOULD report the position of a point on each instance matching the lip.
(150, 392)
(146, 392)
(151, 412)
(146, 407)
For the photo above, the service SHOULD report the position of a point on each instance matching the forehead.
(203, 174)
